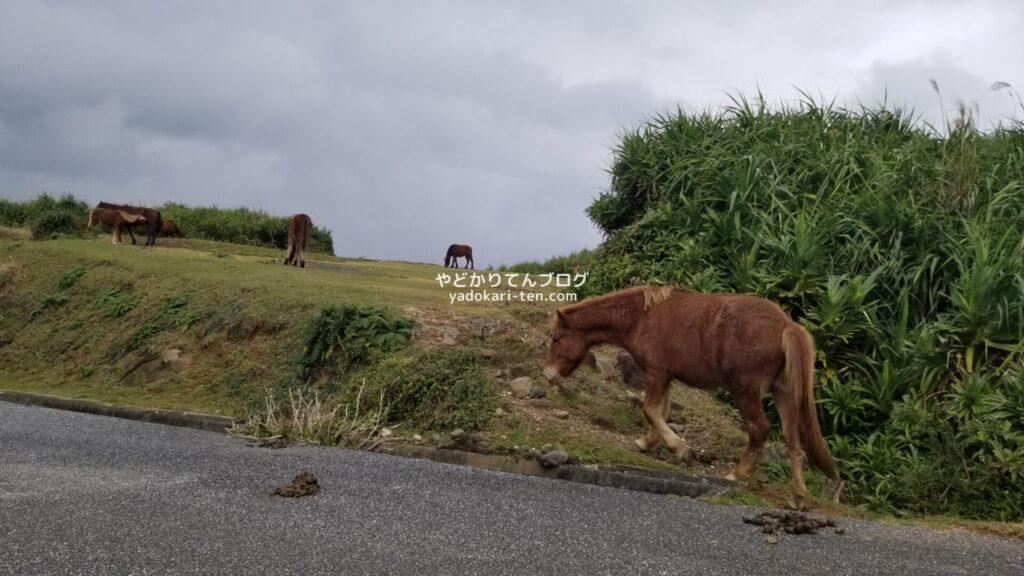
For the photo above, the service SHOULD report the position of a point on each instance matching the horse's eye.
(555, 340)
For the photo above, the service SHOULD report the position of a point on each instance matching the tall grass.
(45, 215)
(899, 246)
(240, 226)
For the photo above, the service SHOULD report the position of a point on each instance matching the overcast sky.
(405, 126)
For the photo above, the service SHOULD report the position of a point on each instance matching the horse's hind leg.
(789, 415)
(748, 402)
(656, 404)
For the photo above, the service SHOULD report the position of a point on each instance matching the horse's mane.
(624, 300)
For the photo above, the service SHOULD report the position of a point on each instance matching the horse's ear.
(561, 317)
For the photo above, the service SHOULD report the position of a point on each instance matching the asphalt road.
(82, 494)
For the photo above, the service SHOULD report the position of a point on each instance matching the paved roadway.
(82, 494)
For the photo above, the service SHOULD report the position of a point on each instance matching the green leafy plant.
(341, 337)
(115, 302)
(69, 278)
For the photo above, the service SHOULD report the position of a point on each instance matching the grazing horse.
(116, 219)
(153, 221)
(737, 342)
(169, 228)
(299, 230)
(456, 251)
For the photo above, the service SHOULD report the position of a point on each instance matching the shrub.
(53, 223)
(439, 389)
(341, 337)
(897, 246)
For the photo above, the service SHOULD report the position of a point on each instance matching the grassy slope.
(252, 314)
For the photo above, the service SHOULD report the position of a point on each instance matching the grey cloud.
(407, 126)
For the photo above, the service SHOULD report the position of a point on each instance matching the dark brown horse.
(299, 230)
(169, 228)
(153, 221)
(740, 343)
(456, 251)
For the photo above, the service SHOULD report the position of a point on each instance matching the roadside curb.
(635, 479)
(196, 420)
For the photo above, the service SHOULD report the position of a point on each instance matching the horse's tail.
(307, 231)
(798, 347)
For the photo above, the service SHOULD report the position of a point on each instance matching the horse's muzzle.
(552, 375)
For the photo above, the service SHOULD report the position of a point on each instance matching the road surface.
(83, 494)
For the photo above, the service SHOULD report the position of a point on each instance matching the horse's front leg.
(656, 404)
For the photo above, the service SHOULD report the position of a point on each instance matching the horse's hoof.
(797, 504)
(639, 443)
(686, 456)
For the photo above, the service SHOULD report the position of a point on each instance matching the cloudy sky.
(405, 126)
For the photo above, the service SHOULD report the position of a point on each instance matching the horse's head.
(568, 348)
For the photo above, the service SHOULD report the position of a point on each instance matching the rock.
(417, 438)
(521, 387)
(484, 327)
(386, 433)
(561, 414)
(457, 434)
(605, 369)
(449, 335)
(776, 453)
(483, 447)
(554, 458)
(677, 428)
(486, 353)
(532, 454)
(547, 448)
(537, 392)
(498, 411)
(632, 375)
(518, 371)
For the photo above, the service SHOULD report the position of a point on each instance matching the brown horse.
(116, 219)
(299, 230)
(456, 251)
(737, 342)
(169, 228)
(153, 221)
